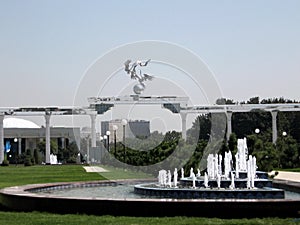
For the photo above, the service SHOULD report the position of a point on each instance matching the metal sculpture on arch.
(131, 69)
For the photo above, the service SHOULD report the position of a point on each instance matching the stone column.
(47, 153)
(19, 146)
(1, 138)
(229, 124)
(183, 125)
(93, 129)
(274, 126)
(63, 143)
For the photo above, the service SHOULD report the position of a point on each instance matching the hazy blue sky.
(253, 47)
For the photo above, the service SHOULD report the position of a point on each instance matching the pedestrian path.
(289, 176)
(94, 169)
(289, 181)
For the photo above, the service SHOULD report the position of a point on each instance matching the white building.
(21, 134)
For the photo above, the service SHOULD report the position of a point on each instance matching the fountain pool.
(118, 198)
(120, 190)
(237, 192)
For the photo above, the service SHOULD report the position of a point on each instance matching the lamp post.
(15, 151)
(101, 149)
(257, 131)
(284, 133)
(88, 149)
(124, 123)
(107, 134)
(115, 128)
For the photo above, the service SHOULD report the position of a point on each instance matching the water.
(121, 191)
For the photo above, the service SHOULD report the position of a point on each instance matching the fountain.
(226, 189)
(245, 182)
(219, 194)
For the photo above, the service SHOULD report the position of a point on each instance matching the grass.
(10, 218)
(290, 170)
(20, 175)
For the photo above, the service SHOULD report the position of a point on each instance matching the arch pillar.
(1, 138)
(47, 153)
(183, 125)
(274, 126)
(229, 124)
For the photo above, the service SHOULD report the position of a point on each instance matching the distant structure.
(130, 68)
(134, 128)
(21, 134)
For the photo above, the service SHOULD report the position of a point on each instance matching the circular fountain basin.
(46, 197)
(208, 193)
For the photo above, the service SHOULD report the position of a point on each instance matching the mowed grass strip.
(34, 218)
(20, 175)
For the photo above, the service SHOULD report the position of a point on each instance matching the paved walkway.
(289, 176)
(289, 181)
(94, 169)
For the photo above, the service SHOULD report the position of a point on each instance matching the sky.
(46, 47)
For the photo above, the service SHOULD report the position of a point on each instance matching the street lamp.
(101, 148)
(15, 151)
(284, 134)
(115, 128)
(88, 149)
(257, 131)
(124, 123)
(107, 134)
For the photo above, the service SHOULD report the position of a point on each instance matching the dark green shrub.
(29, 160)
(37, 158)
(5, 162)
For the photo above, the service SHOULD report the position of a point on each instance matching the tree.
(253, 100)
(71, 153)
(232, 143)
(200, 129)
(29, 160)
(266, 155)
(36, 155)
(287, 148)
(53, 147)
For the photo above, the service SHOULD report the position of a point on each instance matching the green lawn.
(19, 175)
(9, 218)
(290, 170)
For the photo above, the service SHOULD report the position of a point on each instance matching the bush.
(37, 158)
(27, 161)
(5, 162)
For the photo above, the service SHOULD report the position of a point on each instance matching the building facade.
(20, 135)
(133, 128)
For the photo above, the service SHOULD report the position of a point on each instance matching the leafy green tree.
(232, 143)
(71, 153)
(29, 160)
(53, 147)
(37, 157)
(253, 100)
(287, 148)
(266, 155)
